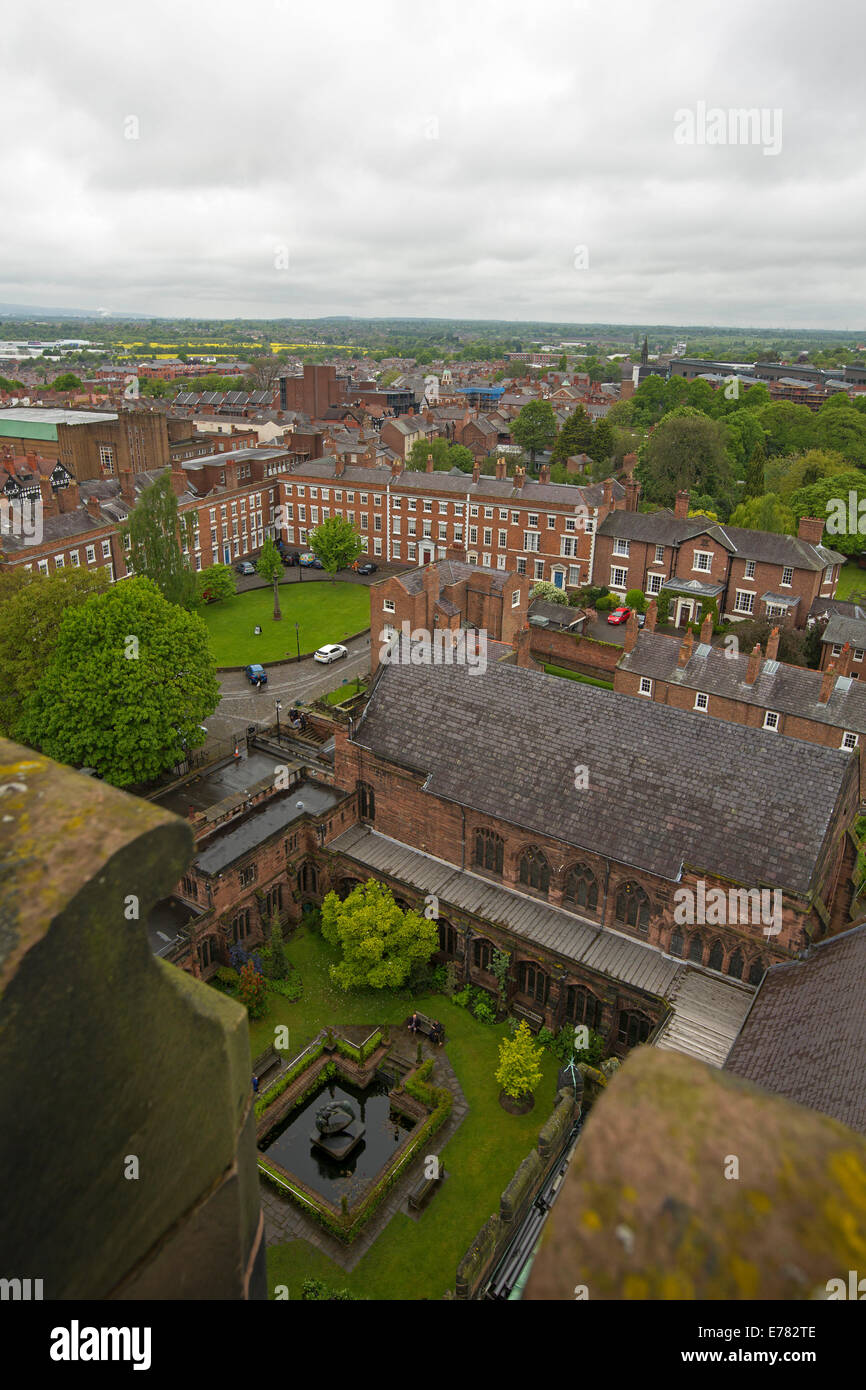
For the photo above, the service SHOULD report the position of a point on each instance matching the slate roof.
(767, 547)
(805, 1035)
(451, 572)
(666, 787)
(787, 689)
(840, 630)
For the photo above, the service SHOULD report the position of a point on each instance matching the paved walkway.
(285, 1221)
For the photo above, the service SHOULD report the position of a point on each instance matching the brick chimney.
(476, 470)
(178, 479)
(681, 507)
(339, 465)
(428, 467)
(431, 593)
(68, 498)
(652, 615)
(519, 477)
(49, 501)
(396, 467)
(707, 628)
(754, 665)
(127, 486)
(632, 493)
(630, 633)
(843, 661)
(686, 648)
(773, 645)
(827, 684)
(629, 464)
(501, 468)
(92, 505)
(544, 473)
(811, 528)
(607, 493)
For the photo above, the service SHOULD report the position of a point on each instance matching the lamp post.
(298, 639)
(279, 706)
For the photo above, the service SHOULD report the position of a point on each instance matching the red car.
(619, 615)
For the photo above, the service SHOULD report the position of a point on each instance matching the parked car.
(256, 674)
(619, 615)
(245, 567)
(332, 652)
(368, 568)
(641, 619)
(290, 558)
(309, 561)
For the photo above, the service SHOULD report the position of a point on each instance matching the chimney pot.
(686, 647)
(843, 661)
(773, 645)
(707, 628)
(754, 664)
(429, 465)
(811, 528)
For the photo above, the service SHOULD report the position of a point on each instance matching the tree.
(603, 442)
(562, 365)
(215, 582)
(31, 612)
(544, 589)
(155, 550)
(842, 430)
(786, 473)
(336, 543)
(636, 599)
(535, 428)
(67, 381)
(381, 944)
(519, 1070)
(755, 482)
(128, 684)
(252, 990)
(686, 452)
(270, 567)
(575, 437)
(767, 513)
(788, 428)
(844, 514)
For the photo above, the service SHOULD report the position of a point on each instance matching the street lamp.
(298, 639)
(279, 706)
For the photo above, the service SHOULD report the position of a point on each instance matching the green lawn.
(851, 578)
(325, 612)
(412, 1259)
(576, 676)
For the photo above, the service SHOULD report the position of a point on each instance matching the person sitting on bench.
(414, 1023)
(437, 1033)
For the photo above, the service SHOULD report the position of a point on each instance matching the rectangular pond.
(290, 1143)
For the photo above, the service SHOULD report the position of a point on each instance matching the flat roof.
(55, 415)
(232, 777)
(239, 837)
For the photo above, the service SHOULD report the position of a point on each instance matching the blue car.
(256, 675)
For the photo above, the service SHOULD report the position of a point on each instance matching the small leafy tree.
(252, 990)
(535, 428)
(336, 543)
(215, 582)
(67, 381)
(270, 567)
(636, 599)
(519, 1070)
(381, 943)
(544, 589)
(154, 530)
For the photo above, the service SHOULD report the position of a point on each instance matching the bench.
(529, 1015)
(266, 1063)
(425, 1025)
(420, 1195)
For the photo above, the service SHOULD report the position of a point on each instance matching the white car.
(330, 653)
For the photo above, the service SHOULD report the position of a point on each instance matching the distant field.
(324, 612)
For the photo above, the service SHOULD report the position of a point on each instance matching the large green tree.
(686, 452)
(575, 437)
(766, 513)
(380, 943)
(215, 582)
(336, 543)
(535, 428)
(270, 567)
(155, 533)
(841, 500)
(32, 607)
(603, 442)
(129, 682)
(755, 480)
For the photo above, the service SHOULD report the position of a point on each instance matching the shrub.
(316, 1290)
(635, 599)
(439, 979)
(483, 1011)
(291, 989)
(225, 978)
(606, 602)
(451, 978)
(663, 605)
(253, 991)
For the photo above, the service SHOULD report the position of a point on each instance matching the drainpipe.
(463, 838)
(604, 899)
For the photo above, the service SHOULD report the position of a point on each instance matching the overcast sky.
(474, 159)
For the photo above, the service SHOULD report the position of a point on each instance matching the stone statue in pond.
(335, 1117)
